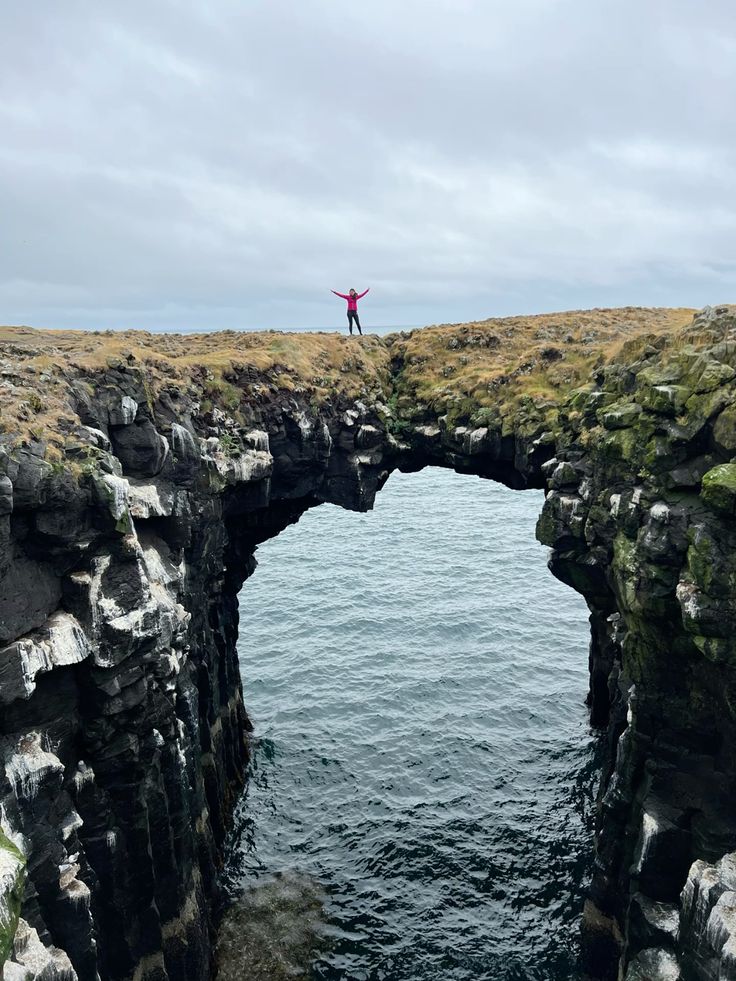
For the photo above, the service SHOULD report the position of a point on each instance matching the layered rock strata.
(122, 721)
(122, 727)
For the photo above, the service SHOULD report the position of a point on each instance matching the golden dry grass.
(304, 356)
(489, 363)
(36, 367)
(494, 362)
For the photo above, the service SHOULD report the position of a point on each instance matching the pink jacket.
(352, 300)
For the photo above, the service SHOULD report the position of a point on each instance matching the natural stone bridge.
(135, 486)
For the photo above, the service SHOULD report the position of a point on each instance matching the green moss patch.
(12, 876)
(719, 488)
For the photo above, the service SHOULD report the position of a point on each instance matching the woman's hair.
(351, 290)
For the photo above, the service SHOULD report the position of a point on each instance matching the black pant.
(353, 316)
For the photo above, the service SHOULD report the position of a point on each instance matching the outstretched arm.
(343, 295)
(363, 293)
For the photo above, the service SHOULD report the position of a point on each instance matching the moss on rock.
(620, 416)
(724, 430)
(719, 488)
(12, 877)
(666, 400)
(709, 374)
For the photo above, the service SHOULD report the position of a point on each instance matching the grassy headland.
(464, 370)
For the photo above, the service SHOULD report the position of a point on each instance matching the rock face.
(122, 727)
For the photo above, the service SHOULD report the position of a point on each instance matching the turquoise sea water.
(419, 800)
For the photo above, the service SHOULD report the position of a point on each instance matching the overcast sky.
(224, 163)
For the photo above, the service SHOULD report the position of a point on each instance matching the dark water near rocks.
(420, 792)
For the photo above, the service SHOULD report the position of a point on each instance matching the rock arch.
(122, 715)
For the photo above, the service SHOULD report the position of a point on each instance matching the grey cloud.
(226, 163)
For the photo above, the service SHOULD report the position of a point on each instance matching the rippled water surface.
(419, 795)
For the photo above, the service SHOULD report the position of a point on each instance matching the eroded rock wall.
(122, 721)
(639, 514)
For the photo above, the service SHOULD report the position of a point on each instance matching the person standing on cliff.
(352, 297)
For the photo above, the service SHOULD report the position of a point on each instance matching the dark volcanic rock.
(123, 733)
(122, 727)
(6, 495)
(141, 450)
(31, 591)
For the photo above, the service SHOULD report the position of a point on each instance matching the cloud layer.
(226, 163)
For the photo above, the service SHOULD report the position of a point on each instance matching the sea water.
(419, 799)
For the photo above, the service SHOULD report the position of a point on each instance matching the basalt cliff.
(139, 473)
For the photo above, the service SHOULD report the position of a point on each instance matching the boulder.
(667, 400)
(719, 488)
(654, 964)
(724, 431)
(33, 961)
(124, 413)
(141, 449)
(619, 416)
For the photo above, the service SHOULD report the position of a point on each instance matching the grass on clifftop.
(223, 368)
(494, 363)
(459, 368)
